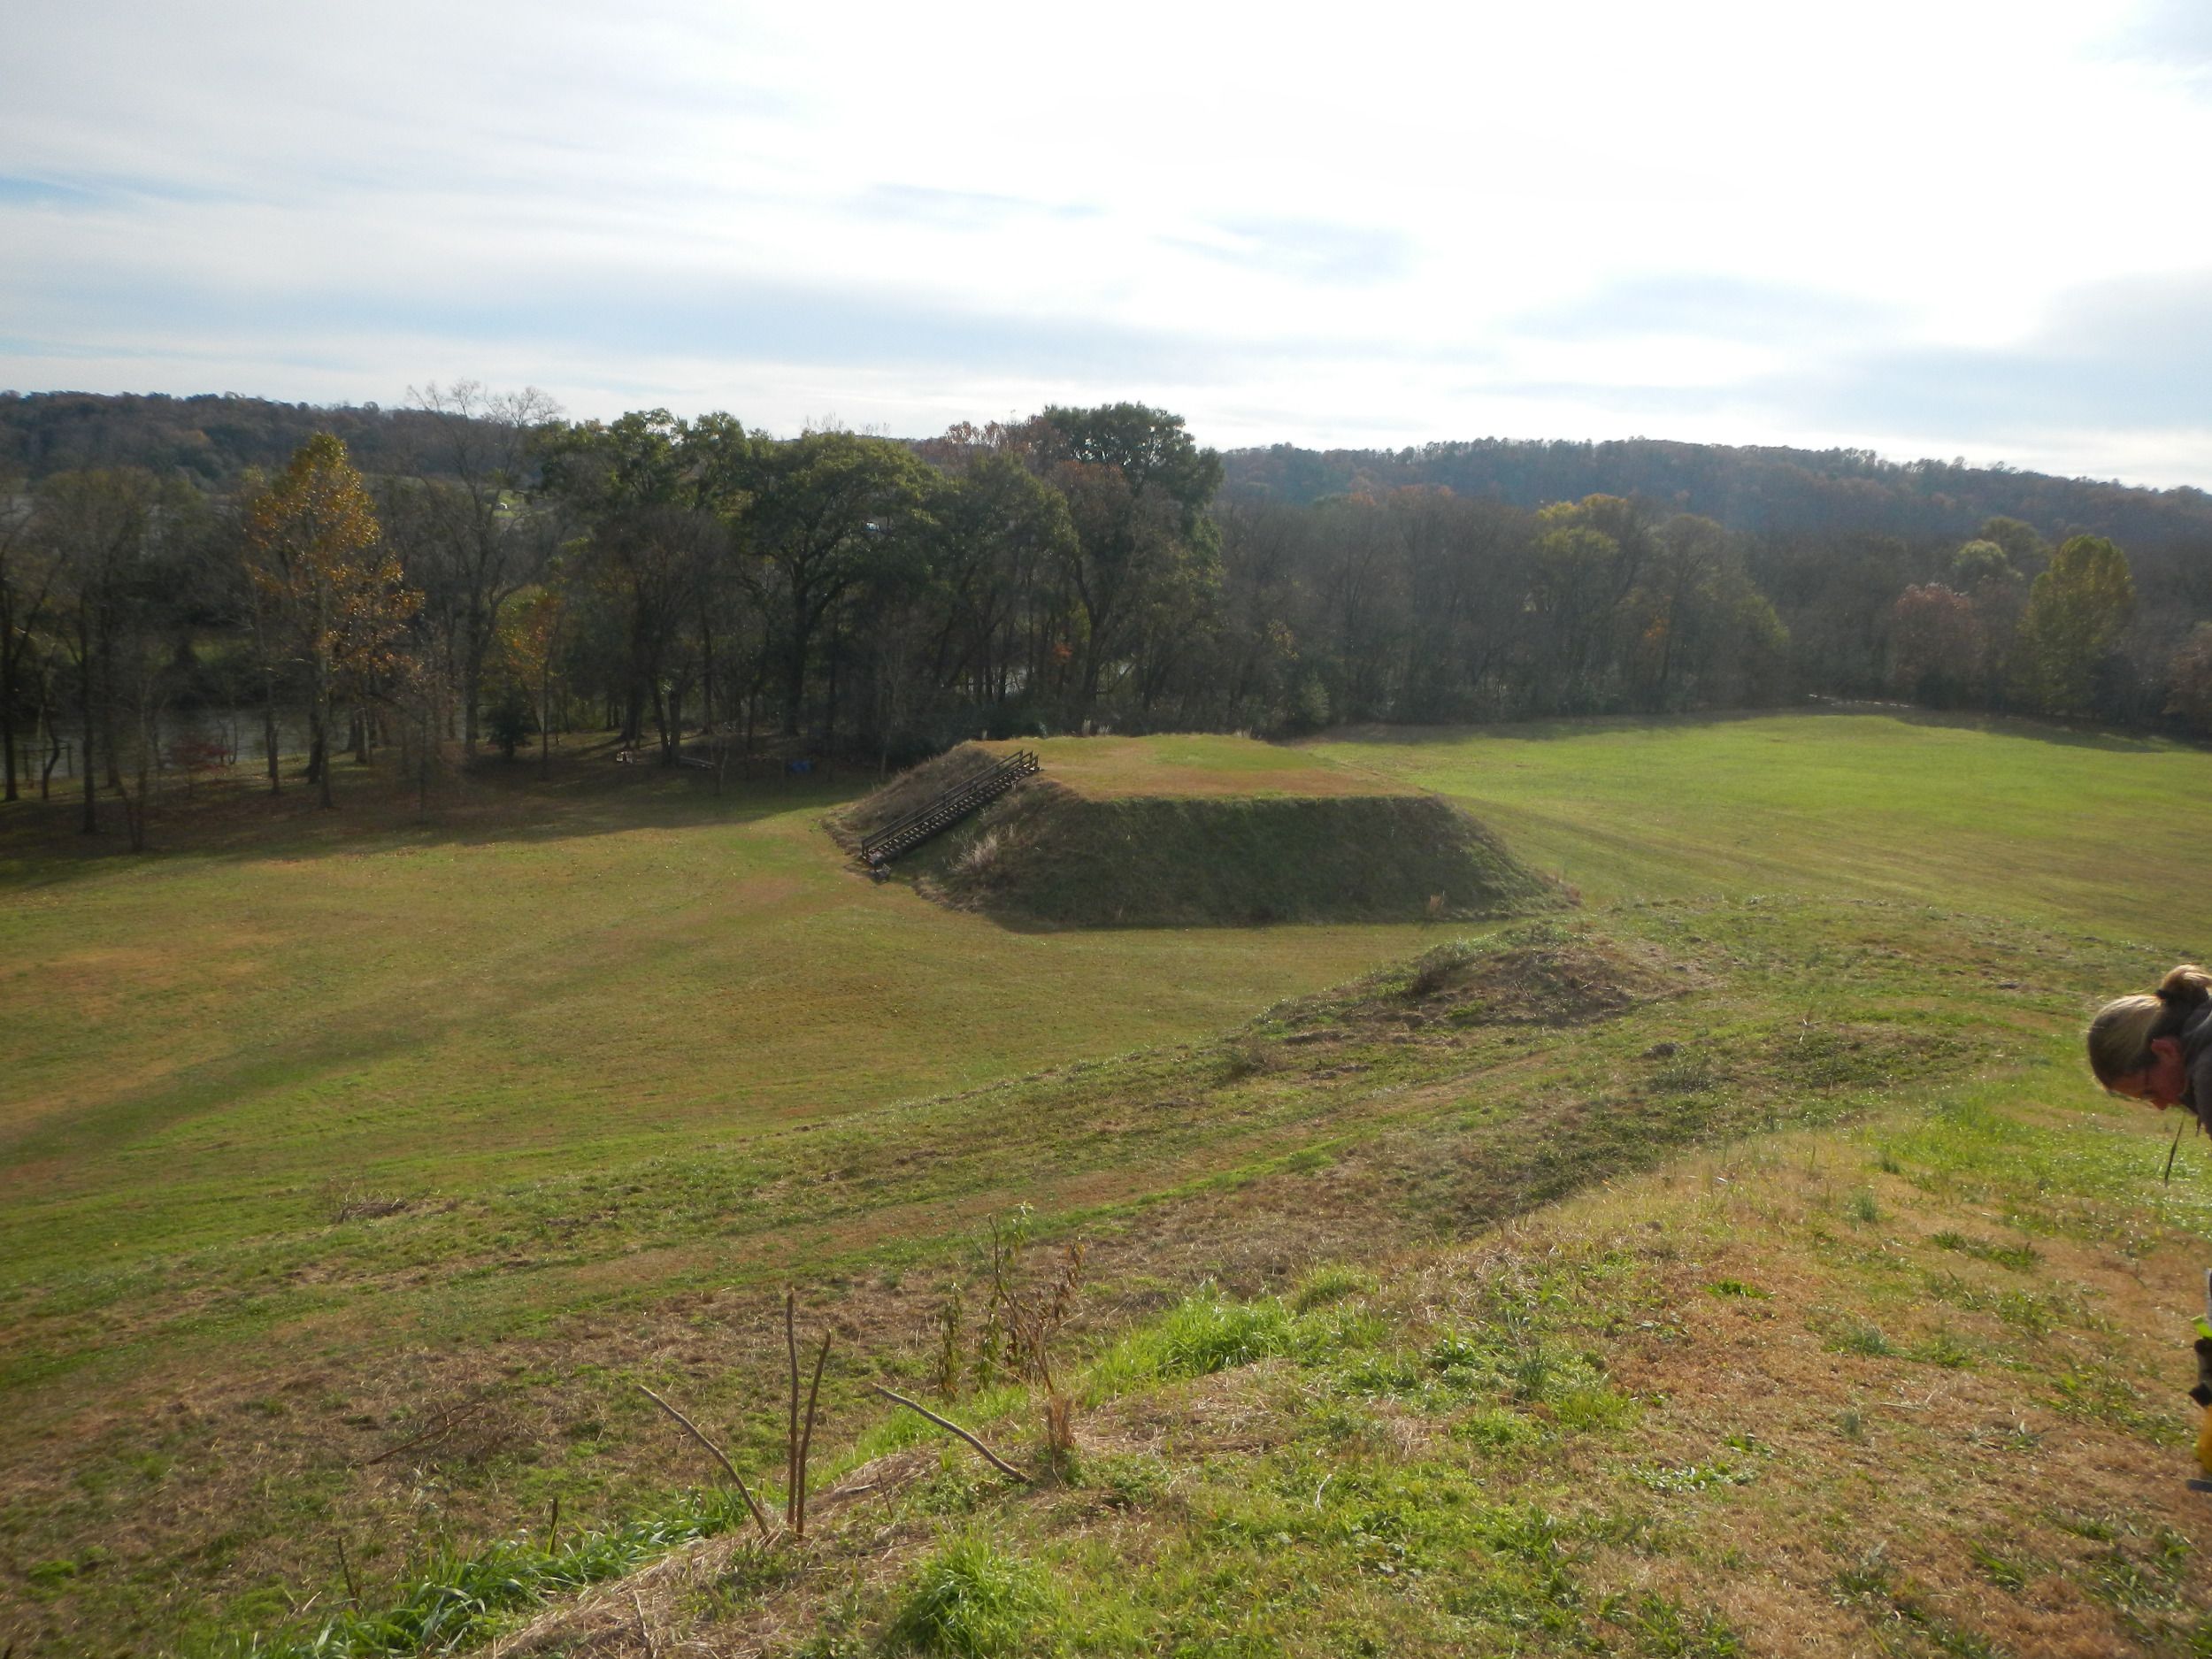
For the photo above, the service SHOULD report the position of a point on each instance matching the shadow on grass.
(491, 802)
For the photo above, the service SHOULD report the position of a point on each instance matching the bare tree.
(471, 540)
(27, 576)
(95, 526)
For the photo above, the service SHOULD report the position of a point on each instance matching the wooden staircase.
(946, 810)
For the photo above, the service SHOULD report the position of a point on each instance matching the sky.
(1939, 227)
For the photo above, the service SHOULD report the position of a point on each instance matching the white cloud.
(1700, 221)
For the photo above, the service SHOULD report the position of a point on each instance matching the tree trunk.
(91, 824)
(793, 689)
(706, 681)
(8, 655)
(107, 715)
(268, 702)
(134, 811)
(473, 679)
(269, 734)
(545, 718)
(323, 768)
(633, 715)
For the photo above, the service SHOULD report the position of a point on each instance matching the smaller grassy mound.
(1541, 975)
(1048, 855)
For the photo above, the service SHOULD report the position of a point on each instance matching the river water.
(235, 732)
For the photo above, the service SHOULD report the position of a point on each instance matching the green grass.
(320, 1130)
(197, 1044)
(2011, 817)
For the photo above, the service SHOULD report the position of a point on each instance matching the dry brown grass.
(1886, 1488)
(1943, 1458)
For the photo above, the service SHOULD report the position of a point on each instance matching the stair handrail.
(1021, 764)
(1018, 765)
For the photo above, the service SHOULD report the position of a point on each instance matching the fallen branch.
(990, 1457)
(436, 1432)
(760, 1518)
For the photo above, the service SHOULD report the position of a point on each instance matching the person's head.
(2135, 1042)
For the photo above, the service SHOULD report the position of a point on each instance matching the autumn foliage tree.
(1935, 645)
(528, 660)
(1137, 488)
(2189, 680)
(2076, 612)
(344, 601)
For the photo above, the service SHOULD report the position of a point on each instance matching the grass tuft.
(1203, 1334)
(1325, 1286)
(969, 1601)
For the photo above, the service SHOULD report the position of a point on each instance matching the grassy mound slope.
(1048, 855)
(1182, 832)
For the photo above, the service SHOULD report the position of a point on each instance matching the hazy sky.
(1925, 227)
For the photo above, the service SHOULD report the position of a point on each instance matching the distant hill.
(209, 437)
(213, 436)
(1752, 490)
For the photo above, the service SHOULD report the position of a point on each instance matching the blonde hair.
(2120, 1035)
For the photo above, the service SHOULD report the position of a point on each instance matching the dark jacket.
(2196, 1060)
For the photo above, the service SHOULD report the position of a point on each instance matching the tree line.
(702, 590)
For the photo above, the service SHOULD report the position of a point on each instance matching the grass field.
(2008, 817)
(599, 976)
(333, 1136)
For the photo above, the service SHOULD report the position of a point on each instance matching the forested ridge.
(474, 568)
(1752, 488)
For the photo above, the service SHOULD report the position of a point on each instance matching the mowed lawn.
(632, 1055)
(2012, 817)
(196, 1045)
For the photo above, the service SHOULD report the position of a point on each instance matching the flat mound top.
(1194, 763)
